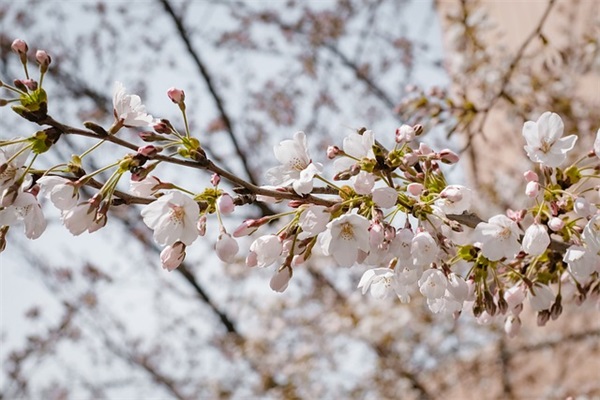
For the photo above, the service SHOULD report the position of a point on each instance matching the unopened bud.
(201, 225)
(418, 129)
(43, 59)
(556, 310)
(490, 306)
(531, 176)
(3, 232)
(449, 157)
(163, 126)
(342, 176)
(215, 179)
(543, 317)
(333, 152)
(149, 150)
(177, 96)
(20, 85)
(355, 169)
(279, 282)
(415, 188)
(424, 149)
(295, 203)
(149, 136)
(30, 84)
(502, 305)
(172, 256)
(225, 204)
(532, 189)
(556, 224)
(247, 227)
(20, 47)
(405, 133)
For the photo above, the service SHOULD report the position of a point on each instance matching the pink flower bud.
(149, 150)
(30, 84)
(556, 224)
(247, 227)
(281, 279)
(43, 59)
(449, 157)
(225, 204)
(376, 235)
(215, 179)
(201, 225)
(531, 176)
(162, 126)
(177, 96)
(19, 46)
(532, 189)
(226, 247)
(298, 259)
(411, 159)
(332, 152)
(414, 188)
(172, 256)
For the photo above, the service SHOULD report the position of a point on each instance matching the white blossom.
(536, 240)
(544, 140)
(173, 217)
(128, 108)
(455, 199)
(540, 297)
(296, 166)
(25, 208)
(267, 248)
(12, 168)
(433, 284)
(363, 182)
(582, 261)
(80, 218)
(146, 187)
(313, 221)
(512, 326)
(344, 237)
(385, 197)
(591, 234)
(424, 249)
(380, 282)
(499, 237)
(357, 146)
(61, 192)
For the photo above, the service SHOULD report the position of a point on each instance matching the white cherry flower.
(582, 261)
(385, 197)
(433, 284)
(536, 240)
(357, 146)
(61, 192)
(313, 221)
(499, 237)
(545, 143)
(455, 199)
(591, 234)
(296, 166)
(80, 218)
(12, 163)
(268, 248)
(25, 208)
(173, 217)
(540, 297)
(424, 249)
(381, 282)
(344, 237)
(146, 187)
(128, 108)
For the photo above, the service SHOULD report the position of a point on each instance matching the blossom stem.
(94, 147)
(184, 190)
(83, 180)
(185, 121)
(18, 153)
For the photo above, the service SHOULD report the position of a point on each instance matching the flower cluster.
(388, 209)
